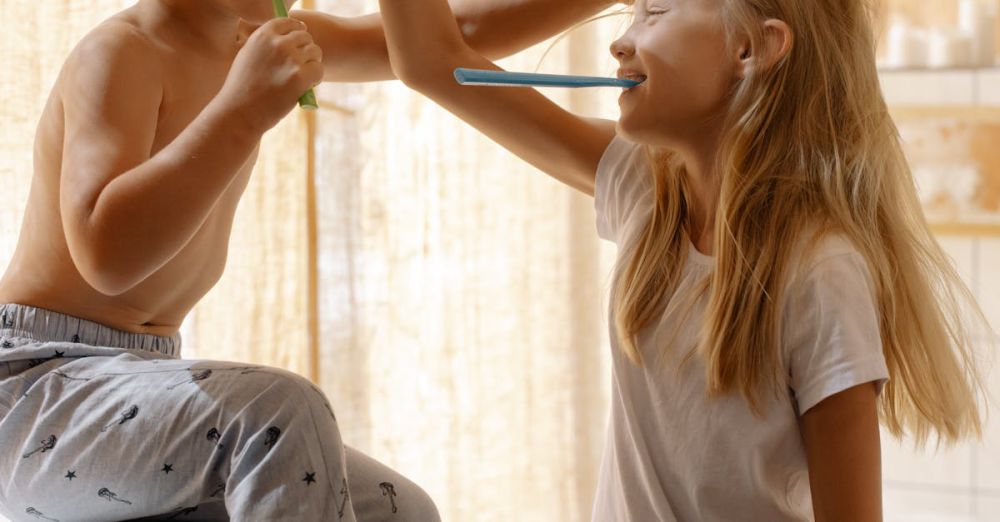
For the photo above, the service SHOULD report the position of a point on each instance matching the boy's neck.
(206, 23)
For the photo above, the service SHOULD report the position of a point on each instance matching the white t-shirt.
(674, 455)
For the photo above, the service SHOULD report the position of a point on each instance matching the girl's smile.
(683, 45)
(628, 74)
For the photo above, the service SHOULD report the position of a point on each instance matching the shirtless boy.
(142, 153)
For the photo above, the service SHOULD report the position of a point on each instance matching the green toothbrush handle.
(307, 100)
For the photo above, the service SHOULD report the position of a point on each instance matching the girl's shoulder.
(623, 187)
(828, 257)
(823, 246)
(622, 156)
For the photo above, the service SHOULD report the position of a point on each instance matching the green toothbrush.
(308, 100)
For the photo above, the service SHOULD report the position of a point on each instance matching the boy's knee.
(284, 385)
(278, 393)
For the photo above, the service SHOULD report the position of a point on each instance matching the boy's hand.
(277, 64)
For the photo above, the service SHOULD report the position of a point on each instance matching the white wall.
(961, 484)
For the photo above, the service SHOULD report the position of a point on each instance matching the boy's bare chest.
(188, 91)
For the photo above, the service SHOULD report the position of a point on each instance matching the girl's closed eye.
(654, 9)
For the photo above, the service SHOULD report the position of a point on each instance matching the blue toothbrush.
(516, 79)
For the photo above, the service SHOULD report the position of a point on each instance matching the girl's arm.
(354, 49)
(842, 448)
(425, 46)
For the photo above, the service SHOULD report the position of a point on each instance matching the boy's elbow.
(109, 287)
(99, 266)
(102, 275)
(96, 253)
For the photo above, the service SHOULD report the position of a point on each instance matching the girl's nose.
(622, 48)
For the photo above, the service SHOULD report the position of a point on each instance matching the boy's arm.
(126, 214)
(354, 49)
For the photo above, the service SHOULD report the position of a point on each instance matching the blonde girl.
(777, 291)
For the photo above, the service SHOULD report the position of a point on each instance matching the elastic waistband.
(43, 325)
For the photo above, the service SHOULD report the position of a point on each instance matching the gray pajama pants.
(97, 424)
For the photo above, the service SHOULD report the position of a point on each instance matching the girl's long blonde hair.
(810, 143)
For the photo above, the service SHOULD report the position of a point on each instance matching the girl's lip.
(627, 89)
(631, 74)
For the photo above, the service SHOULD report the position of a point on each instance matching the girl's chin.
(632, 121)
(643, 132)
(628, 94)
(628, 129)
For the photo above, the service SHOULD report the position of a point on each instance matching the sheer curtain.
(461, 297)
(447, 297)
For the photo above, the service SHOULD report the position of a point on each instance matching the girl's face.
(680, 48)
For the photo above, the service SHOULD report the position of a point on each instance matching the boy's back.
(137, 254)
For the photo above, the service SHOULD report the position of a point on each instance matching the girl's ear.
(777, 44)
(779, 39)
(743, 59)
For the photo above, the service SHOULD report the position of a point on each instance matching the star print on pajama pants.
(102, 425)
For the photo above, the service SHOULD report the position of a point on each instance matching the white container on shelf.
(907, 47)
(948, 48)
(978, 19)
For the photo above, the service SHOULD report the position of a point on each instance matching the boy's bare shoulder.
(115, 49)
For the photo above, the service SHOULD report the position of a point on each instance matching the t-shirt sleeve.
(621, 182)
(832, 339)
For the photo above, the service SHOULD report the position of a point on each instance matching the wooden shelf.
(966, 113)
(941, 87)
(966, 229)
(934, 70)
